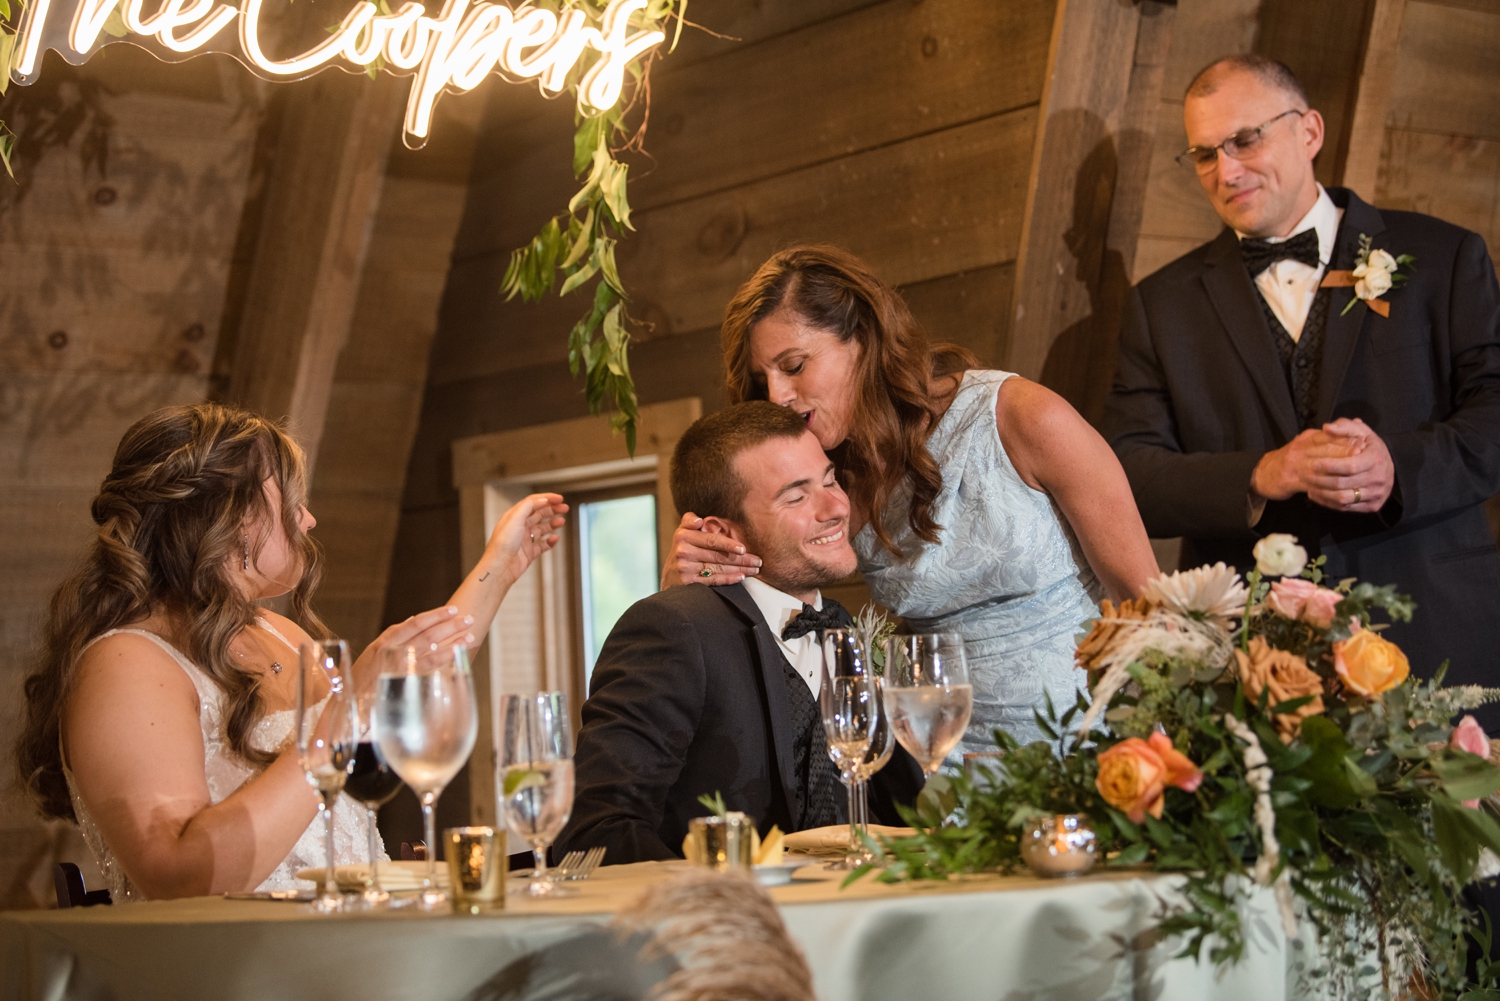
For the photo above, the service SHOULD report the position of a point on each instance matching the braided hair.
(171, 516)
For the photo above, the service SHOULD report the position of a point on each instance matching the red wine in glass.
(371, 780)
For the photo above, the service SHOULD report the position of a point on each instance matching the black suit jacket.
(1200, 396)
(689, 696)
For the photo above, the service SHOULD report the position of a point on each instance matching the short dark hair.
(1271, 72)
(704, 480)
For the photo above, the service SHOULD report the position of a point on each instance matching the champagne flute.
(847, 699)
(928, 695)
(426, 721)
(882, 743)
(374, 783)
(536, 776)
(327, 732)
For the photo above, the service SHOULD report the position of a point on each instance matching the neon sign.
(454, 51)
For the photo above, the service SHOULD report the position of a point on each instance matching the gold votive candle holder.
(476, 868)
(722, 842)
(1059, 845)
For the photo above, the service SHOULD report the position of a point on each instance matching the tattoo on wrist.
(485, 577)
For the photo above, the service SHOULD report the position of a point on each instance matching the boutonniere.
(1375, 273)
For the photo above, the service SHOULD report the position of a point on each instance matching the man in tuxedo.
(701, 690)
(1251, 398)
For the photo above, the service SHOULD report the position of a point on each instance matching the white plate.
(778, 875)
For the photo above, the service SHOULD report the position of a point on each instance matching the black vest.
(1302, 359)
(820, 799)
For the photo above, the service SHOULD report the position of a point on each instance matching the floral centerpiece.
(1256, 732)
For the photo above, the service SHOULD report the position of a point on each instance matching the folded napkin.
(819, 840)
(394, 876)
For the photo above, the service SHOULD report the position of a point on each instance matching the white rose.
(1382, 260)
(1278, 555)
(1373, 284)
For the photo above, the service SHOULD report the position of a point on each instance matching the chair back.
(67, 881)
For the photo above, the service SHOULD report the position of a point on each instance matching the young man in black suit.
(714, 689)
(1251, 398)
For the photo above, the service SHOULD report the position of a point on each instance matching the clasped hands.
(1343, 465)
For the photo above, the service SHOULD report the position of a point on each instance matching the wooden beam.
(1372, 100)
(323, 186)
(1086, 192)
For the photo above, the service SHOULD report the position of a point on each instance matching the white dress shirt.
(803, 653)
(1289, 286)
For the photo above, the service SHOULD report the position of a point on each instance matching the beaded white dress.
(226, 772)
(1007, 573)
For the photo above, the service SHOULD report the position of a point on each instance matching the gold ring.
(1356, 495)
(706, 571)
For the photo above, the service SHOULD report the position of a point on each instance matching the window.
(617, 565)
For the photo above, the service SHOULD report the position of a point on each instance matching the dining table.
(988, 936)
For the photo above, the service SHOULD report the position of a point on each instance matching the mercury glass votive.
(1059, 845)
(476, 868)
(722, 843)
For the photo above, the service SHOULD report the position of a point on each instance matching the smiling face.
(795, 515)
(275, 564)
(808, 369)
(1272, 188)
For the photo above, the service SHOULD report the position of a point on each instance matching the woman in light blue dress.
(983, 503)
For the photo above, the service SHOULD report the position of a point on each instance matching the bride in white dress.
(160, 715)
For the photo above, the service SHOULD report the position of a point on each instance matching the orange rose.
(1134, 774)
(1368, 664)
(1287, 676)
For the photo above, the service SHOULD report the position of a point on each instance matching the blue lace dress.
(1007, 574)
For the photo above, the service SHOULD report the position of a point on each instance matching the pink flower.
(1470, 736)
(1294, 598)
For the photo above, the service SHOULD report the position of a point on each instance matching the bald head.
(1270, 72)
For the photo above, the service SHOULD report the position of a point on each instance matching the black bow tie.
(1261, 254)
(810, 619)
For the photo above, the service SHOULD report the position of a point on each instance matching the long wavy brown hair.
(171, 516)
(896, 404)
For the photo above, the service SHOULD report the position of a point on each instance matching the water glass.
(848, 699)
(373, 783)
(535, 777)
(882, 743)
(327, 733)
(426, 721)
(928, 695)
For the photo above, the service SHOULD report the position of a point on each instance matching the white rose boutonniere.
(1375, 273)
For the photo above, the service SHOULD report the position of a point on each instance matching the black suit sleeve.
(1455, 463)
(643, 710)
(1193, 494)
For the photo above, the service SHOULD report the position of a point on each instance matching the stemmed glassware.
(927, 694)
(426, 721)
(882, 743)
(373, 782)
(848, 700)
(535, 777)
(326, 739)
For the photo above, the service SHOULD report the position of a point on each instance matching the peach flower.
(1368, 664)
(1470, 736)
(1134, 774)
(1288, 677)
(1294, 598)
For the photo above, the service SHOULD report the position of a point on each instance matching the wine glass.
(535, 778)
(426, 721)
(882, 743)
(373, 782)
(847, 699)
(927, 694)
(327, 732)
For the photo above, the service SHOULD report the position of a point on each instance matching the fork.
(564, 869)
(585, 868)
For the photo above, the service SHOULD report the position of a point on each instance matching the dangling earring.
(246, 564)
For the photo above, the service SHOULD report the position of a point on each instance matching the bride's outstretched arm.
(521, 535)
(1054, 449)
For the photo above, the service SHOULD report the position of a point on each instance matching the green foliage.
(714, 804)
(581, 243)
(1369, 802)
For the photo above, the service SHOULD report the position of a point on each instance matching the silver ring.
(533, 538)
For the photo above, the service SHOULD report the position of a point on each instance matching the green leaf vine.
(580, 243)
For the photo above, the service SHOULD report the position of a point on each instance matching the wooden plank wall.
(112, 281)
(890, 128)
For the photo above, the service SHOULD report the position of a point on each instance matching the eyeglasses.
(1245, 142)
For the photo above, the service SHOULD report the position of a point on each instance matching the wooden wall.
(890, 128)
(115, 252)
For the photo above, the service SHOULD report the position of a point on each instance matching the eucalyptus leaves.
(581, 243)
